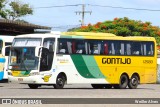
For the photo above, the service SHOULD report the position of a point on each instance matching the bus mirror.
(37, 51)
(6, 50)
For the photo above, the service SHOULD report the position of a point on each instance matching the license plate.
(20, 79)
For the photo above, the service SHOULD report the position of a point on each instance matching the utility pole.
(83, 13)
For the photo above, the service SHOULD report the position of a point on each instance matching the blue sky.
(65, 17)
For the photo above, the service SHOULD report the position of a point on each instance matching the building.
(13, 28)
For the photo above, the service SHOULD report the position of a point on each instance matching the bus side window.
(112, 48)
(148, 48)
(106, 52)
(117, 48)
(80, 49)
(128, 48)
(150, 52)
(65, 46)
(49, 44)
(95, 47)
(122, 48)
(62, 46)
(73, 47)
(136, 48)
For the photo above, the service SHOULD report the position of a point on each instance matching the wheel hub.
(134, 81)
(60, 81)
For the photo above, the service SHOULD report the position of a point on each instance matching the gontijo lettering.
(116, 60)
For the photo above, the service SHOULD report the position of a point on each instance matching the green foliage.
(3, 14)
(123, 27)
(17, 10)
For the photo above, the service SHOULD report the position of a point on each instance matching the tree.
(123, 27)
(3, 14)
(18, 10)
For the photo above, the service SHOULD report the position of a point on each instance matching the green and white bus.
(100, 59)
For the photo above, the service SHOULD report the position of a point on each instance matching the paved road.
(78, 91)
(9, 90)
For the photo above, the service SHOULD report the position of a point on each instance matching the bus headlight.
(34, 73)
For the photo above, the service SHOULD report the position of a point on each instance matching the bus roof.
(38, 35)
(6, 38)
(92, 35)
(86, 35)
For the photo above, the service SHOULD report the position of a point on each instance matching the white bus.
(7, 41)
(100, 59)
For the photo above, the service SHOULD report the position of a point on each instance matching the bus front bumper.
(28, 80)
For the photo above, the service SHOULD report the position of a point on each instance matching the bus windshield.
(23, 59)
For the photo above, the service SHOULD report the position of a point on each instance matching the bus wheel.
(133, 82)
(122, 83)
(60, 82)
(33, 86)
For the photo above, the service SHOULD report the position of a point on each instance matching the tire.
(122, 83)
(60, 82)
(33, 86)
(133, 82)
(101, 86)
